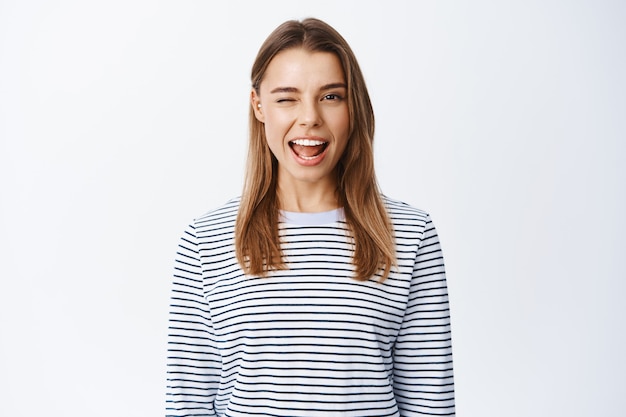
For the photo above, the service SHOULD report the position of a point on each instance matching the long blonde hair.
(257, 241)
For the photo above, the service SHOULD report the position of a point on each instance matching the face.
(304, 109)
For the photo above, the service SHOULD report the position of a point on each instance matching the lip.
(312, 161)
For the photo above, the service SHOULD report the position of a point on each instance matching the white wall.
(122, 120)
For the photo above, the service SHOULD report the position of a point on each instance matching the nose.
(310, 115)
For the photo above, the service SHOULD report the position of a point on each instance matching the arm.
(423, 380)
(193, 362)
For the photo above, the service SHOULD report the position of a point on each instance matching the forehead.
(297, 67)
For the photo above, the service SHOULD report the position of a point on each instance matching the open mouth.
(308, 149)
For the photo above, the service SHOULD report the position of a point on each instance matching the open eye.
(332, 97)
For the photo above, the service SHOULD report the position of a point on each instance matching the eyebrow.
(295, 90)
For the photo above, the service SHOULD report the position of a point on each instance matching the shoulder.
(231, 206)
(219, 218)
(399, 210)
(407, 221)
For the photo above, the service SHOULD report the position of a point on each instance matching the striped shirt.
(309, 340)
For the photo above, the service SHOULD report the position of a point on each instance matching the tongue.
(307, 151)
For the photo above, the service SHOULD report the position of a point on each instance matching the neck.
(307, 197)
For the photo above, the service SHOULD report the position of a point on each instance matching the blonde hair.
(257, 241)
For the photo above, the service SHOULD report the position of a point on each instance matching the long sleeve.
(423, 377)
(193, 362)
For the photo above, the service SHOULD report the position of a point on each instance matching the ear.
(255, 102)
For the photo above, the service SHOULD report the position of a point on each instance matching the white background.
(120, 121)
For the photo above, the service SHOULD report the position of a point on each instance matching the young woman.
(312, 294)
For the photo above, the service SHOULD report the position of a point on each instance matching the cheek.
(342, 132)
(341, 126)
(340, 118)
(275, 124)
(274, 136)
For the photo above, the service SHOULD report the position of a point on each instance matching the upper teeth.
(308, 142)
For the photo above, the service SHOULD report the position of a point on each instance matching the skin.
(303, 97)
